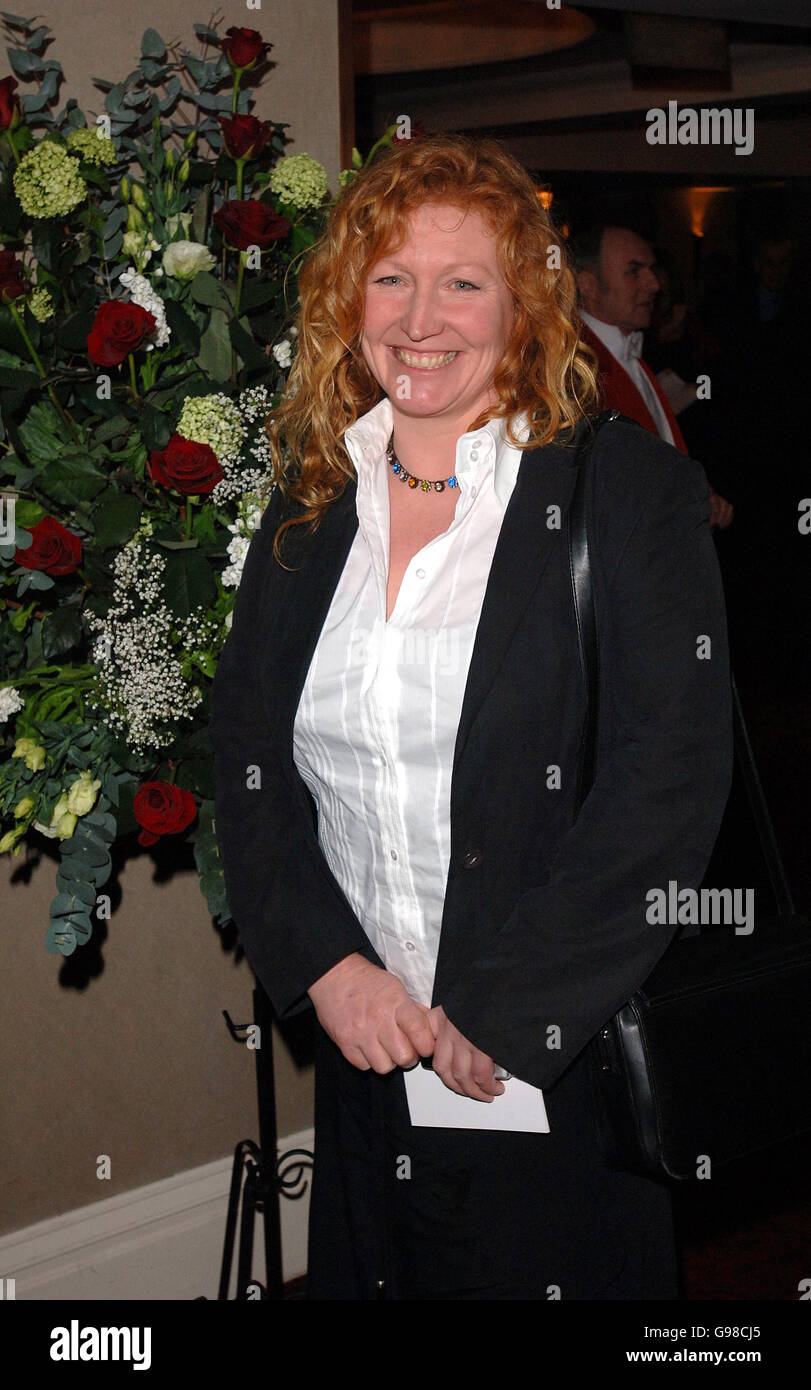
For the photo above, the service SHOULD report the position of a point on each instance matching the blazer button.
(472, 858)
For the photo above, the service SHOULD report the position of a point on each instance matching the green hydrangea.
(299, 181)
(92, 146)
(47, 181)
(212, 420)
(41, 304)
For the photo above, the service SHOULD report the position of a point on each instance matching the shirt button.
(472, 858)
(420, 574)
(410, 946)
(394, 854)
(474, 457)
(473, 491)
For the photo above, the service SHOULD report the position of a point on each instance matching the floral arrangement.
(147, 288)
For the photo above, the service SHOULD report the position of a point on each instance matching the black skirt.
(403, 1212)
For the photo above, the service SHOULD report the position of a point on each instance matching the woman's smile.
(424, 361)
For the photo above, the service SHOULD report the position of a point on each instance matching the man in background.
(618, 285)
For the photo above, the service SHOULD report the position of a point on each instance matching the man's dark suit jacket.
(544, 923)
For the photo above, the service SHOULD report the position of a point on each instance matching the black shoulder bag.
(711, 1056)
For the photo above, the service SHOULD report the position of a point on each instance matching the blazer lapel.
(532, 527)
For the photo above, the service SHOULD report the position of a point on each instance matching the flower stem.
(13, 146)
(188, 518)
(237, 75)
(133, 380)
(240, 171)
(237, 296)
(17, 316)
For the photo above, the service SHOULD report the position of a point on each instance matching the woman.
(396, 729)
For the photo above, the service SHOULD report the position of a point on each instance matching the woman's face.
(438, 317)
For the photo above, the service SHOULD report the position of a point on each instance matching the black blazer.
(544, 924)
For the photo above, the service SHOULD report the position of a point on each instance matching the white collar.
(367, 439)
(626, 347)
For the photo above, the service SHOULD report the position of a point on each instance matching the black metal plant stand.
(258, 1176)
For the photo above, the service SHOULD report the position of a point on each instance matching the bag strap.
(588, 649)
(585, 612)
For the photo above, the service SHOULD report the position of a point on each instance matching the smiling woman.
(403, 673)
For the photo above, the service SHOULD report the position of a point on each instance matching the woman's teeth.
(423, 359)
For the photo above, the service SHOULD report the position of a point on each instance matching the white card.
(432, 1104)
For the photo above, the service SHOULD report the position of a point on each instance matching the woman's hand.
(371, 1016)
(461, 1066)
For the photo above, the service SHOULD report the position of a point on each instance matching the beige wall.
(102, 38)
(138, 1065)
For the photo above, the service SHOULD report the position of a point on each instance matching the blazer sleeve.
(574, 949)
(293, 919)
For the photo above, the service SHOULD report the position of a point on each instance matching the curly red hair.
(546, 371)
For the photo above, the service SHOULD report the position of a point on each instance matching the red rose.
(417, 132)
(245, 137)
(11, 111)
(118, 329)
(245, 222)
(162, 809)
(12, 283)
(244, 47)
(53, 549)
(187, 467)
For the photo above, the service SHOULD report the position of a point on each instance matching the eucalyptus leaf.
(152, 45)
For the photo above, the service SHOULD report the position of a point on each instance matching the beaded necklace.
(425, 484)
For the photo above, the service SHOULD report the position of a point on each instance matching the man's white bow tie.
(633, 345)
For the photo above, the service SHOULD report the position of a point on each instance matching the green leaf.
(71, 479)
(155, 427)
(185, 332)
(188, 581)
(61, 631)
(250, 352)
(256, 292)
(28, 512)
(152, 45)
(109, 429)
(116, 518)
(214, 357)
(199, 214)
(39, 433)
(206, 290)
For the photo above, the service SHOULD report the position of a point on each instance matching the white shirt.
(376, 725)
(627, 348)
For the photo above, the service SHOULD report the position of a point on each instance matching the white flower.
(282, 353)
(175, 221)
(185, 259)
(142, 293)
(250, 514)
(10, 702)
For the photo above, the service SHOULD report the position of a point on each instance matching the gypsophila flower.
(41, 304)
(47, 181)
(92, 146)
(300, 181)
(248, 518)
(283, 354)
(10, 702)
(142, 293)
(140, 647)
(249, 469)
